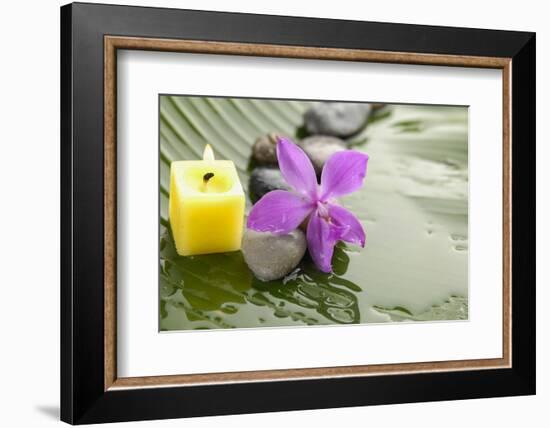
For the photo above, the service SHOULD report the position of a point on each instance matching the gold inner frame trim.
(113, 43)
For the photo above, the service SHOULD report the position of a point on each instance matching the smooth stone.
(337, 119)
(264, 180)
(271, 256)
(319, 148)
(264, 150)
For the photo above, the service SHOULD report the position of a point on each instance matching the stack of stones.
(327, 125)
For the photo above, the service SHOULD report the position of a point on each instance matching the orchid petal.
(296, 168)
(343, 173)
(320, 242)
(279, 212)
(351, 229)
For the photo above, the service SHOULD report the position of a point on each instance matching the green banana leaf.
(413, 206)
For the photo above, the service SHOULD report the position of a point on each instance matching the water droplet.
(228, 308)
(341, 315)
(461, 247)
(458, 237)
(429, 231)
(338, 300)
(280, 313)
(297, 316)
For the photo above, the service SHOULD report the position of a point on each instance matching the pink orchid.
(281, 211)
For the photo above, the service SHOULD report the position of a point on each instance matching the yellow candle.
(206, 205)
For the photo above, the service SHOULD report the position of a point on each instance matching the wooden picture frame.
(91, 390)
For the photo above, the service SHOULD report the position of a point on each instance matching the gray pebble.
(264, 149)
(320, 148)
(337, 119)
(264, 180)
(271, 256)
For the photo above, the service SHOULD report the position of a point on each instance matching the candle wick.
(207, 177)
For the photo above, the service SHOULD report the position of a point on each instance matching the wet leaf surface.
(413, 206)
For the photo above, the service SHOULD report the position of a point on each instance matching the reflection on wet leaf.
(206, 282)
(214, 288)
(311, 289)
(455, 308)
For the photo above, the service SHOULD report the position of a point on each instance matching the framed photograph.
(266, 213)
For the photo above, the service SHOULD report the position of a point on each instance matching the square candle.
(206, 206)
